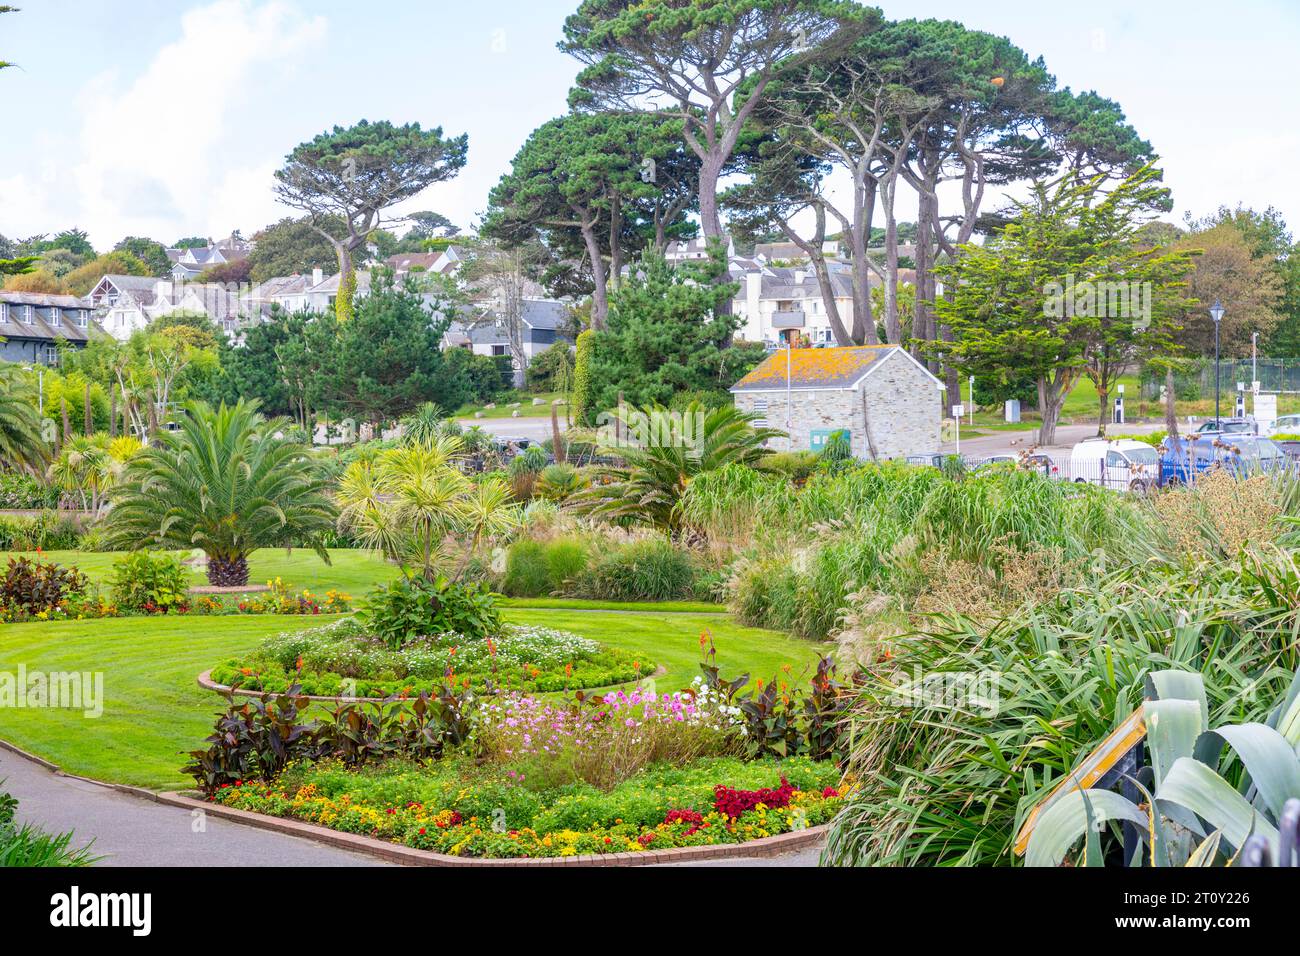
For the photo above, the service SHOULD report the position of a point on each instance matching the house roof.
(817, 368)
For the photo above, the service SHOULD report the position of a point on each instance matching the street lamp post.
(40, 386)
(1216, 313)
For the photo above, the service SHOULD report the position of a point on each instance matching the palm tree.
(424, 425)
(663, 451)
(225, 484)
(408, 502)
(91, 465)
(21, 445)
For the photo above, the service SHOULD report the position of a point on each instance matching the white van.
(1121, 463)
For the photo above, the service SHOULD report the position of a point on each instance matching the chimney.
(317, 276)
(799, 276)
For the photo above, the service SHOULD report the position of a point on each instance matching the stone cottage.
(887, 401)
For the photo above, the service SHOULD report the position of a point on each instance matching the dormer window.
(4, 311)
(29, 314)
(56, 317)
(83, 318)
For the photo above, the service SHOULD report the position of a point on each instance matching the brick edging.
(206, 682)
(409, 856)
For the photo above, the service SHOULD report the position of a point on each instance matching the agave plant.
(1195, 805)
(664, 450)
(224, 484)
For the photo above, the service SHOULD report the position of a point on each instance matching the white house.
(188, 263)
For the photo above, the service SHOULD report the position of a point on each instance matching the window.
(51, 355)
(760, 404)
(56, 317)
(83, 318)
(29, 314)
(4, 311)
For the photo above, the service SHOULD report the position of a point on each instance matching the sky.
(168, 118)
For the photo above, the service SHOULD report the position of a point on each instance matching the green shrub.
(558, 482)
(417, 607)
(551, 370)
(798, 466)
(25, 492)
(153, 581)
(565, 560)
(650, 570)
(47, 531)
(537, 569)
(33, 587)
(526, 571)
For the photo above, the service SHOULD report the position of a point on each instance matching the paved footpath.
(133, 831)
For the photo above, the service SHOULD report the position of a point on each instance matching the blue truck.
(1185, 457)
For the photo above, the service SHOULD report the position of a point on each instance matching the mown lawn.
(153, 710)
(351, 571)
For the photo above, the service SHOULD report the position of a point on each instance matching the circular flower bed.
(459, 809)
(343, 659)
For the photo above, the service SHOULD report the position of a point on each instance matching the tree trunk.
(1049, 406)
(1103, 400)
(864, 323)
(227, 572)
(710, 173)
(893, 328)
(600, 293)
(112, 412)
(1171, 416)
(90, 418)
(343, 301)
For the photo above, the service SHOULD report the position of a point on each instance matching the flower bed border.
(409, 856)
(202, 589)
(206, 682)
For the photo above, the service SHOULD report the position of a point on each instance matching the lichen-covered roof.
(814, 368)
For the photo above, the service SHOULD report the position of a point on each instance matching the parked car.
(1184, 458)
(1034, 462)
(1228, 425)
(1119, 463)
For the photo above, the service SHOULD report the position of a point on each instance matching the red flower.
(830, 792)
(732, 803)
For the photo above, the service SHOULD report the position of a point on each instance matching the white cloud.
(154, 153)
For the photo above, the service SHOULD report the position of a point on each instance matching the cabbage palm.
(224, 484)
(408, 502)
(90, 466)
(663, 451)
(21, 445)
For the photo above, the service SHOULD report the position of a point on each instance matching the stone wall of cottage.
(903, 406)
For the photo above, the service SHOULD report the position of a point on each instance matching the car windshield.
(1142, 456)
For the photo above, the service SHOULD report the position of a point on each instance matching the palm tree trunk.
(227, 572)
